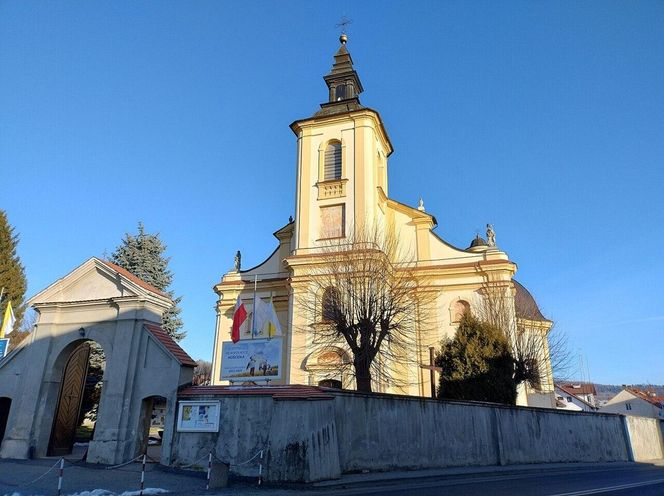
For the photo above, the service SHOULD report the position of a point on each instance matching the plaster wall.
(298, 438)
(646, 436)
(308, 440)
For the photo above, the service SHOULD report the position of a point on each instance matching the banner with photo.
(4, 347)
(251, 360)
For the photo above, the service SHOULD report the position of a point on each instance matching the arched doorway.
(78, 400)
(5, 405)
(151, 427)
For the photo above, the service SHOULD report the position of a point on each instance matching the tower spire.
(343, 83)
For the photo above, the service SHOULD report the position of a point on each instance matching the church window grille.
(332, 169)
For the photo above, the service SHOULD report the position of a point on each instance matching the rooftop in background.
(578, 388)
(648, 395)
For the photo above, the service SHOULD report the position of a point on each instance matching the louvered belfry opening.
(332, 162)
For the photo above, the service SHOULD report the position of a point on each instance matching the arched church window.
(329, 304)
(332, 169)
(459, 309)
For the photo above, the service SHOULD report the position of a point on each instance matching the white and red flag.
(239, 316)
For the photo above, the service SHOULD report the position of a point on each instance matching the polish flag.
(239, 316)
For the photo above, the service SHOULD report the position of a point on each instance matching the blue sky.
(543, 118)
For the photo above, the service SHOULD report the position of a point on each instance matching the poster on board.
(4, 346)
(251, 360)
(198, 416)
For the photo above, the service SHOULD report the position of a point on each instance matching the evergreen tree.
(12, 273)
(477, 364)
(143, 256)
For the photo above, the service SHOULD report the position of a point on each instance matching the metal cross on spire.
(343, 23)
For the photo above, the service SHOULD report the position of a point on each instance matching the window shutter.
(332, 162)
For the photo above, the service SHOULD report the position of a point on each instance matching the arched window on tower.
(459, 309)
(340, 92)
(332, 169)
(329, 304)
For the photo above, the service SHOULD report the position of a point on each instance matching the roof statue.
(238, 261)
(420, 207)
(490, 236)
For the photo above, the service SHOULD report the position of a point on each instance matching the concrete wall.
(646, 438)
(298, 437)
(307, 440)
(422, 433)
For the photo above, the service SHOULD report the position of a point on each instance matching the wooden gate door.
(69, 402)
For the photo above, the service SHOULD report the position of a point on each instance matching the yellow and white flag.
(8, 321)
(267, 322)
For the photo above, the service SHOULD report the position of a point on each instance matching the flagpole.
(253, 314)
(269, 329)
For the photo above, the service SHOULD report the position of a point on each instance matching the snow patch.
(104, 492)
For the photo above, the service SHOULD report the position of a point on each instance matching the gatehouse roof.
(169, 343)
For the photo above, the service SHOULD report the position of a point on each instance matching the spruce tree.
(12, 273)
(477, 364)
(143, 256)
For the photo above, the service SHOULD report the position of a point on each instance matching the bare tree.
(27, 324)
(363, 297)
(538, 348)
(202, 373)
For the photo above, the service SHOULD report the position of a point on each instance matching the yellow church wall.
(453, 274)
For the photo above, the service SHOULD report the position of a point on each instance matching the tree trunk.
(363, 376)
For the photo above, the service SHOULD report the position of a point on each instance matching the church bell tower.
(342, 152)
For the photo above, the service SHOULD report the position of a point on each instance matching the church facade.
(341, 183)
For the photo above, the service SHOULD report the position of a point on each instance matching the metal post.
(432, 374)
(253, 310)
(207, 485)
(142, 476)
(260, 470)
(62, 467)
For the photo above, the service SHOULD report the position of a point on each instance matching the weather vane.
(343, 23)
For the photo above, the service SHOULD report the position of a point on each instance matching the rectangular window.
(569, 399)
(628, 406)
(332, 220)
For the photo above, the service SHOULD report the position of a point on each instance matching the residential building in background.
(638, 402)
(576, 396)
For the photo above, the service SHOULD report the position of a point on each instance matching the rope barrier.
(113, 467)
(196, 461)
(44, 474)
(259, 453)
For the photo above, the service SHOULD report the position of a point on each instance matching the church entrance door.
(69, 402)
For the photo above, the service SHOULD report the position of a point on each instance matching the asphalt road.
(637, 479)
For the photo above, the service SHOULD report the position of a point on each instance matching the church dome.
(478, 244)
(525, 305)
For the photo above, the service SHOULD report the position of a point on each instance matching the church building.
(341, 182)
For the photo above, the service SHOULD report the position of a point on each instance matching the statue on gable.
(490, 236)
(238, 261)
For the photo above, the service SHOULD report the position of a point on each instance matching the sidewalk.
(32, 478)
(19, 477)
